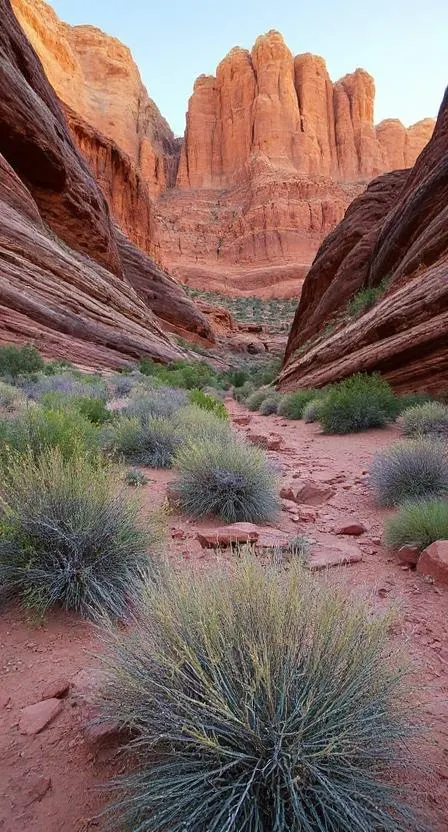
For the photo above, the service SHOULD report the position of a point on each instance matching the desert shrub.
(409, 470)
(65, 384)
(151, 441)
(120, 385)
(11, 398)
(240, 394)
(269, 406)
(20, 361)
(186, 374)
(265, 373)
(418, 524)
(429, 418)
(292, 404)
(94, 409)
(38, 430)
(199, 426)
(162, 401)
(311, 410)
(256, 399)
(70, 539)
(207, 402)
(363, 300)
(412, 400)
(259, 701)
(357, 403)
(237, 377)
(231, 480)
(135, 477)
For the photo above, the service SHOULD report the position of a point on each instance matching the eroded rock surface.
(63, 284)
(396, 235)
(273, 153)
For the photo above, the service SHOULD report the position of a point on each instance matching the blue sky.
(402, 43)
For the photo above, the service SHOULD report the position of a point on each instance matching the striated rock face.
(273, 153)
(397, 231)
(268, 103)
(96, 76)
(64, 280)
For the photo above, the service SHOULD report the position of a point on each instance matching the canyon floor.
(54, 780)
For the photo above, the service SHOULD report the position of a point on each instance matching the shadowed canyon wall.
(67, 277)
(394, 235)
(273, 153)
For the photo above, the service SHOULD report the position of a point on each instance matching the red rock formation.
(273, 152)
(396, 231)
(68, 293)
(85, 67)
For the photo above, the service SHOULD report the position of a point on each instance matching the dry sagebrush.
(69, 537)
(259, 701)
(412, 469)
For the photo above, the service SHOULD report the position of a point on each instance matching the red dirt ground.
(51, 782)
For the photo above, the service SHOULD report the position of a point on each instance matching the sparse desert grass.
(230, 480)
(357, 403)
(418, 524)
(292, 404)
(430, 418)
(207, 402)
(363, 300)
(69, 538)
(260, 700)
(413, 469)
(135, 478)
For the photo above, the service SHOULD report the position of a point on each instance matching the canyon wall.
(394, 235)
(273, 153)
(67, 280)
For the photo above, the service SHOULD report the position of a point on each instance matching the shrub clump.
(292, 405)
(357, 403)
(151, 441)
(428, 418)
(65, 383)
(93, 409)
(270, 405)
(11, 398)
(410, 470)
(20, 361)
(70, 539)
(363, 300)
(260, 701)
(256, 399)
(161, 401)
(230, 480)
(37, 429)
(418, 524)
(209, 403)
(241, 394)
(135, 478)
(200, 426)
(311, 410)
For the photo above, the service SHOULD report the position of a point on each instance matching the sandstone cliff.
(273, 153)
(397, 232)
(64, 281)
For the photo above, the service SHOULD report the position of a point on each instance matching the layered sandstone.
(65, 282)
(273, 153)
(96, 76)
(397, 231)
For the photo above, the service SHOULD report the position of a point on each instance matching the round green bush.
(430, 418)
(20, 361)
(270, 405)
(358, 403)
(256, 399)
(311, 410)
(259, 701)
(418, 524)
(151, 441)
(230, 480)
(70, 538)
(409, 470)
(292, 404)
